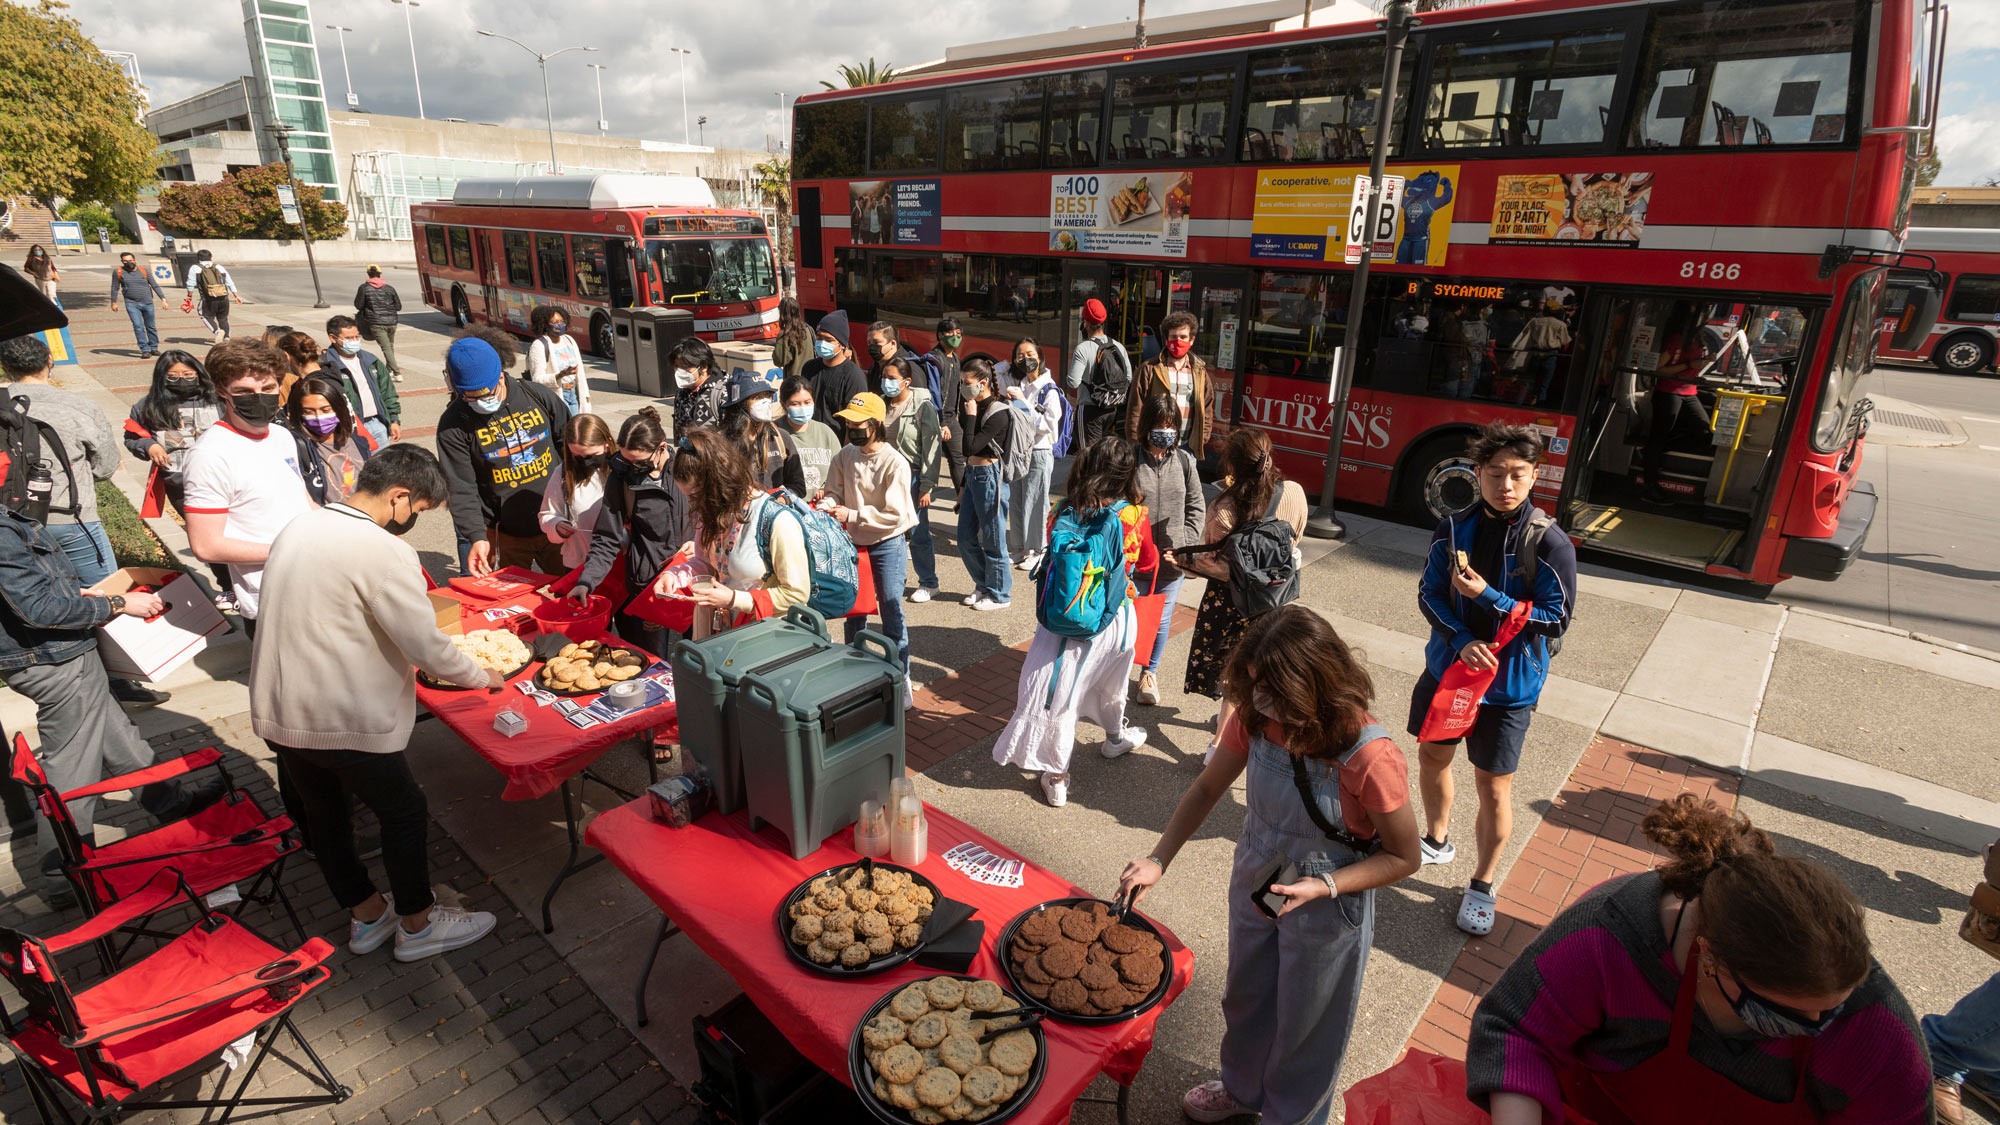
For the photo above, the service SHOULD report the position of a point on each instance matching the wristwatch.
(1327, 878)
(117, 603)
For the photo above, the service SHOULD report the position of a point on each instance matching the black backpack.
(1110, 381)
(1263, 570)
(22, 439)
(1527, 558)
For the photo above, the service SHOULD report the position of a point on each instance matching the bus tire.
(1967, 353)
(461, 309)
(600, 336)
(1437, 480)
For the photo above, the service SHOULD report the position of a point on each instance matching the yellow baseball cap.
(864, 407)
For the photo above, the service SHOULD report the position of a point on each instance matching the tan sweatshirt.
(341, 622)
(877, 487)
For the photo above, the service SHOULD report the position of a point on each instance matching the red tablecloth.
(721, 883)
(541, 758)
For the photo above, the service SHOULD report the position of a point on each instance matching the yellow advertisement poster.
(1603, 208)
(1300, 214)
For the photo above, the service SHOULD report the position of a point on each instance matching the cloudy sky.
(745, 52)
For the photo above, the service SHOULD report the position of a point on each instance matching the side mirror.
(1919, 316)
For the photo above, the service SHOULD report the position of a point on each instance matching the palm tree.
(774, 184)
(869, 75)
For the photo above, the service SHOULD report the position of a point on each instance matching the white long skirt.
(1065, 679)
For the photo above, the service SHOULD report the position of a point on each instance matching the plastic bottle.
(910, 835)
(871, 831)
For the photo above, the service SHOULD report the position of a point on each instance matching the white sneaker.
(1430, 855)
(1029, 561)
(1211, 1101)
(988, 605)
(367, 937)
(922, 594)
(450, 929)
(909, 696)
(1476, 912)
(1055, 786)
(1125, 743)
(973, 599)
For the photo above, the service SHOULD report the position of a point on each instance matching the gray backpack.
(1020, 444)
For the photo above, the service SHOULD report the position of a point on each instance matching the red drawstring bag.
(1455, 704)
(1421, 1089)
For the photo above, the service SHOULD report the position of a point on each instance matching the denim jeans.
(1965, 1042)
(1173, 592)
(888, 566)
(377, 432)
(88, 549)
(144, 332)
(982, 531)
(1029, 529)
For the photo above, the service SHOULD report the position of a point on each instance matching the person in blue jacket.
(1500, 551)
(1424, 197)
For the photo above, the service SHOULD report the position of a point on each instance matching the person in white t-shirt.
(1032, 389)
(242, 482)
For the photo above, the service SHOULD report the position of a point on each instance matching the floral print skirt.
(1217, 628)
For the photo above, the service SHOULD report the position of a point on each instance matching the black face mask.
(256, 409)
(400, 528)
(629, 472)
(1029, 365)
(184, 388)
(857, 437)
(591, 464)
(129, 266)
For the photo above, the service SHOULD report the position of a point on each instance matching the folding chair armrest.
(158, 894)
(301, 962)
(171, 768)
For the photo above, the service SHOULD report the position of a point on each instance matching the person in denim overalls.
(1294, 978)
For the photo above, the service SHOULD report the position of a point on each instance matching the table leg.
(570, 866)
(665, 930)
(1123, 1103)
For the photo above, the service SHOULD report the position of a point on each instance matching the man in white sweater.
(332, 691)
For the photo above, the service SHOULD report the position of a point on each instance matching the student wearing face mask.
(754, 577)
(345, 599)
(497, 442)
(370, 389)
(834, 375)
(645, 516)
(138, 290)
(944, 357)
(1730, 984)
(553, 358)
(750, 419)
(573, 501)
(1327, 822)
(914, 431)
(164, 424)
(378, 308)
(793, 348)
(815, 440)
(868, 490)
(1033, 391)
(323, 429)
(1179, 514)
(986, 424)
(1181, 375)
(699, 385)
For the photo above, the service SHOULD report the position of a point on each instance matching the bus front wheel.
(1438, 479)
(600, 336)
(461, 309)
(1967, 353)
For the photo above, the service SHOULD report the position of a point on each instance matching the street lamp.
(683, 52)
(603, 126)
(345, 73)
(784, 134)
(283, 133)
(407, 5)
(547, 105)
(701, 123)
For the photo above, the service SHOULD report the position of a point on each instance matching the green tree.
(245, 205)
(90, 216)
(774, 183)
(866, 75)
(1928, 169)
(69, 116)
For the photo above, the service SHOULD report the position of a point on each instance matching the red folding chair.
(163, 1017)
(228, 842)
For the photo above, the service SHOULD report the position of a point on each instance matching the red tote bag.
(1455, 704)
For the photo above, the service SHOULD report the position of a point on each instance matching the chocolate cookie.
(1121, 938)
(1062, 960)
(1099, 955)
(1081, 926)
(1031, 971)
(1140, 969)
(1036, 990)
(1095, 976)
(1070, 996)
(1040, 929)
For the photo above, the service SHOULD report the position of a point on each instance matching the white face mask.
(685, 379)
(766, 411)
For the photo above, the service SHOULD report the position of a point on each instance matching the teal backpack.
(1081, 580)
(836, 576)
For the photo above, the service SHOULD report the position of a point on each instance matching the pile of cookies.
(495, 650)
(851, 917)
(928, 1060)
(590, 666)
(1082, 960)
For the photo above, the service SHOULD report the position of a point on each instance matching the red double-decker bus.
(1966, 338)
(498, 248)
(1587, 187)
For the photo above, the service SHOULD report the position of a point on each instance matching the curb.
(1920, 638)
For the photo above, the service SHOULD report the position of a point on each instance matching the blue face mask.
(799, 415)
(1163, 439)
(825, 348)
(350, 347)
(485, 404)
(892, 388)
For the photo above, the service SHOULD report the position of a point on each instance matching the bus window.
(520, 270)
(908, 281)
(714, 271)
(1295, 324)
(592, 273)
(553, 262)
(1548, 90)
(851, 284)
(461, 247)
(830, 139)
(1076, 118)
(902, 135)
(434, 242)
(1975, 297)
(1005, 298)
(1170, 115)
(997, 126)
(1490, 341)
(1313, 102)
(1139, 300)
(1720, 72)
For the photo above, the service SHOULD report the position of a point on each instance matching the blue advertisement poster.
(894, 213)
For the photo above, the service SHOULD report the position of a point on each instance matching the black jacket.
(497, 463)
(376, 304)
(833, 387)
(648, 521)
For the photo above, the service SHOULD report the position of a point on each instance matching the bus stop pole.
(1397, 21)
(284, 134)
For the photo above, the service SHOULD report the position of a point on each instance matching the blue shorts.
(1494, 742)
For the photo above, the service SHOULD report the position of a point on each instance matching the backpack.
(212, 283)
(21, 442)
(1020, 446)
(1263, 572)
(1066, 428)
(836, 575)
(1103, 389)
(1527, 559)
(933, 375)
(1080, 584)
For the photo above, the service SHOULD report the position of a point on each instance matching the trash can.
(655, 331)
(707, 674)
(819, 736)
(624, 350)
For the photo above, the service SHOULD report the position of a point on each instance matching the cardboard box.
(735, 357)
(448, 610)
(153, 648)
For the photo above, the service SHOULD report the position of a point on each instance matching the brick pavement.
(504, 1031)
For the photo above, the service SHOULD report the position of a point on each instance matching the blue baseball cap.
(745, 385)
(471, 364)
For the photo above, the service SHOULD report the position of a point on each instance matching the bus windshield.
(713, 271)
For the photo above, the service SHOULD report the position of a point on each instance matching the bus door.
(1217, 302)
(487, 260)
(619, 268)
(1680, 425)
